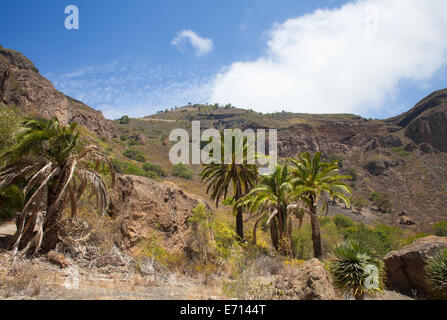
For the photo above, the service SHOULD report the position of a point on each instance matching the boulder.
(410, 147)
(139, 138)
(403, 213)
(312, 282)
(57, 259)
(406, 221)
(377, 167)
(391, 141)
(405, 267)
(426, 148)
(148, 209)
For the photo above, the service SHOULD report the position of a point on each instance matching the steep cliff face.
(427, 121)
(22, 85)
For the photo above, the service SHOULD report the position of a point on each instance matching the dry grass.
(22, 278)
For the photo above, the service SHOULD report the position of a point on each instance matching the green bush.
(342, 221)
(377, 240)
(436, 271)
(11, 202)
(10, 118)
(353, 173)
(358, 202)
(440, 229)
(129, 168)
(381, 201)
(135, 154)
(182, 171)
(302, 246)
(155, 168)
(125, 120)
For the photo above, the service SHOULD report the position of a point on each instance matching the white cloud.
(201, 45)
(349, 59)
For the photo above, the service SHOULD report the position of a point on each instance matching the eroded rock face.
(147, 208)
(22, 85)
(139, 138)
(405, 267)
(313, 282)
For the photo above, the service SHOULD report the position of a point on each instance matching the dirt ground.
(38, 279)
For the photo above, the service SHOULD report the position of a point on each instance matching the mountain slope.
(384, 156)
(22, 85)
(403, 157)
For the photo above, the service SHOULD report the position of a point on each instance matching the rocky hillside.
(403, 158)
(22, 85)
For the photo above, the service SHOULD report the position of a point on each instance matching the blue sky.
(137, 57)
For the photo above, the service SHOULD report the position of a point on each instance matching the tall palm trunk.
(239, 216)
(52, 225)
(280, 233)
(239, 225)
(316, 237)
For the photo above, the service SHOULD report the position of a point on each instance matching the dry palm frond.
(39, 175)
(12, 173)
(98, 187)
(72, 168)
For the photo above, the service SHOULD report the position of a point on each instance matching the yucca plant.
(436, 272)
(355, 270)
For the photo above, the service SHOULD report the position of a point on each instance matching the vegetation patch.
(182, 171)
(135, 154)
(440, 229)
(401, 152)
(150, 167)
(129, 168)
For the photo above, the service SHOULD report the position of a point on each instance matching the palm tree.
(274, 195)
(220, 175)
(57, 167)
(311, 179)
(355, 270)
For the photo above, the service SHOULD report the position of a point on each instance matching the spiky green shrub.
(355, 270)
(436, 271)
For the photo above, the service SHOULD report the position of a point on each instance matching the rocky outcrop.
(406, 221)
(139, 139)
(410, 147)
(380, 166)
(312, 282)
(146, 208)
(405, 267)
(426, 148)
(22, 85)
